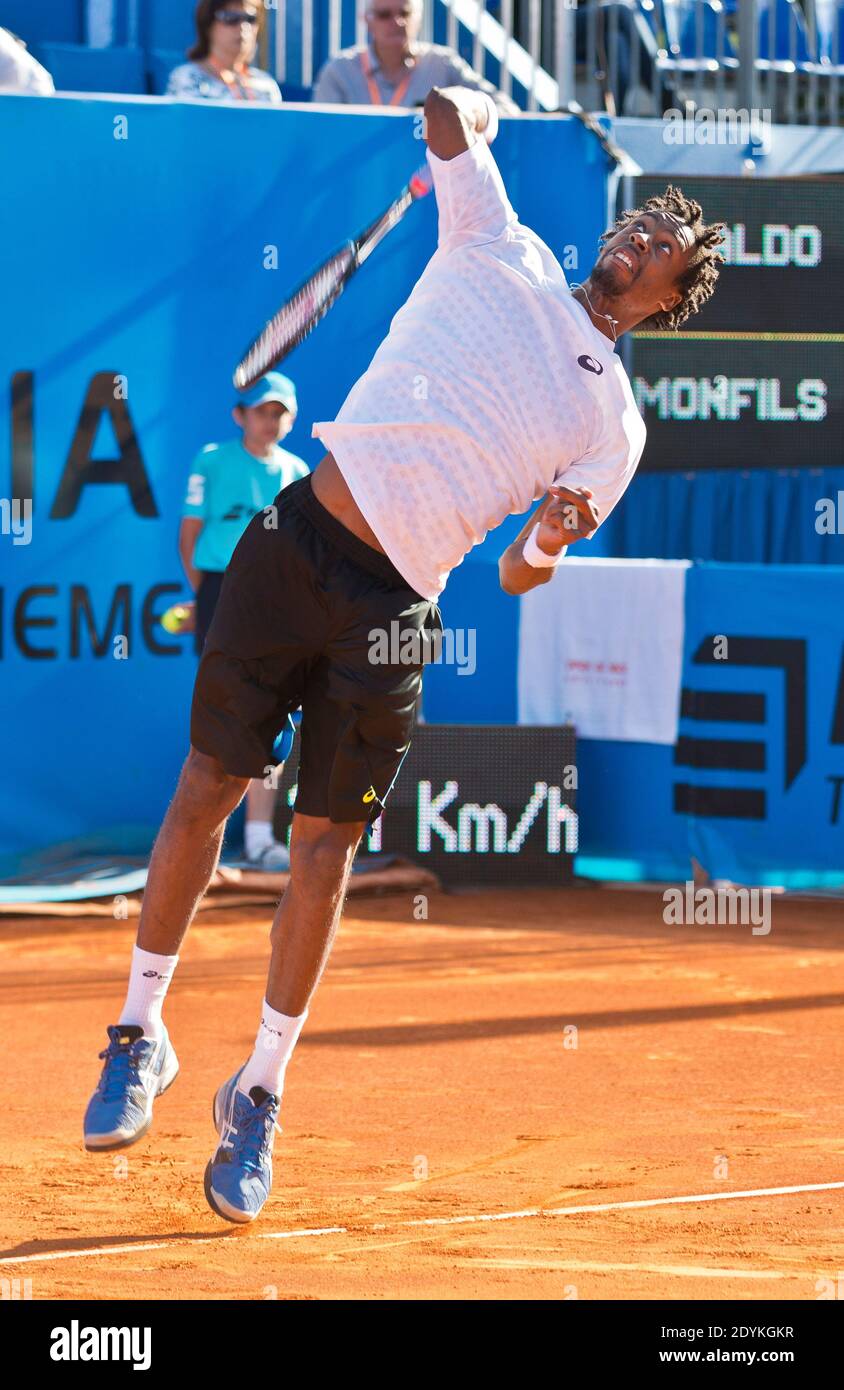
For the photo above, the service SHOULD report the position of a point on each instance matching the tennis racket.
(300, 314)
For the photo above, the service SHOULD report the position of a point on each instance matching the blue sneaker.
(239, 1176)
(136, 1071)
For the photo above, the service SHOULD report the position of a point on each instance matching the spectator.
(228, 485)
(19, 71)
(393, 68)
(219, 70)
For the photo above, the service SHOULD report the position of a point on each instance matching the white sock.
(277, 1037)
(257, 836)
(149, 980)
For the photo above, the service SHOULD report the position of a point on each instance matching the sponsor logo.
(788, 657)
(590, 364)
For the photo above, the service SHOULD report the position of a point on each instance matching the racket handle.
(422, 182)
(284, 742)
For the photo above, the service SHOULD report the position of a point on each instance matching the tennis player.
(496, 386)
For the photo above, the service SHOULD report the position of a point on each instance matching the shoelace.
(120, 1064)
(257, 1128)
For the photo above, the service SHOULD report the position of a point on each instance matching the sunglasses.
(233, 17)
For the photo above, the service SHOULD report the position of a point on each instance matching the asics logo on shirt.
(590, 364)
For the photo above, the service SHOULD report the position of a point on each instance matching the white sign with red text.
(601, 646)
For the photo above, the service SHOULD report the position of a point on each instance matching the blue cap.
(272, 387)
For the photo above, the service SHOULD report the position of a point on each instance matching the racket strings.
(311, 302)
(286, 329)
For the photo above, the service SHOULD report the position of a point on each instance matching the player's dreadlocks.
(698, 280)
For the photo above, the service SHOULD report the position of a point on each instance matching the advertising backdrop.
(145, 241)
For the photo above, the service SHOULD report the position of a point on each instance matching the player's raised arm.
(472, 201)
(455, 117)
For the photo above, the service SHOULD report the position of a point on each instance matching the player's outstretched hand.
(570, 516)
(455, 116)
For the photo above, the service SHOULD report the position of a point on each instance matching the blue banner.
(145, 241)
(759, 765)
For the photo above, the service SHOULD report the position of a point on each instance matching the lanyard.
(241, 88)
(374, 94)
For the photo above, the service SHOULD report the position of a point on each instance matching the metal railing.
(633, 57)
(781, 56)
(503, 39)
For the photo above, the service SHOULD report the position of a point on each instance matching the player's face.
(234, 33)
(641, 264)
(393, 24)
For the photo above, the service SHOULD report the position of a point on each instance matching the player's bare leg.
(239, 1176)
(321, 857)
(186, 851)
(140, 1062)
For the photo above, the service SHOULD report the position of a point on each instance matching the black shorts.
(305, 617)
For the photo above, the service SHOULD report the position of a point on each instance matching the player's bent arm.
(567, 514)
(188, 536)
(515, 575)
(454, 118)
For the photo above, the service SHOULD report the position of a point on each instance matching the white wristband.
(491, 128)
(536, 557)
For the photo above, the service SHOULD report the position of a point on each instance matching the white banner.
(602, 646)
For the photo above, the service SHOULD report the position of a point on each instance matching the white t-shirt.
(492, 384)
(19, 72)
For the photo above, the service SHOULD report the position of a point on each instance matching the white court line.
(626, 1206)
(76, 1254)
(317, 1231)
(436, 1221)
(161, 1245)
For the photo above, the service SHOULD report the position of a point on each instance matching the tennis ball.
(175, 618)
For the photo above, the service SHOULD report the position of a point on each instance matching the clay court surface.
(433, 1084)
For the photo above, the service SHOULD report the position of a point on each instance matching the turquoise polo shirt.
(226, 487)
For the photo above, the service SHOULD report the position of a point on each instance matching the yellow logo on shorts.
(370, 795)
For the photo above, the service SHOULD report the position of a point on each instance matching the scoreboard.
(756, 379)
(479, 804)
